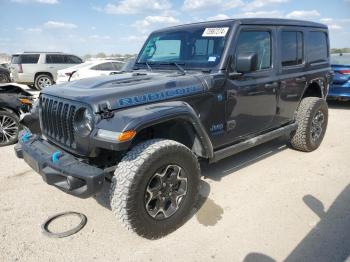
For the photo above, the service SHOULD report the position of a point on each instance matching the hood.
(130, 89)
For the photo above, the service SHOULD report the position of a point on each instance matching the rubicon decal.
(158, 96)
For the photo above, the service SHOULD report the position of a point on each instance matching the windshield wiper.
(183, 72)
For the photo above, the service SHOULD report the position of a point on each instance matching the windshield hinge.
(105, 111)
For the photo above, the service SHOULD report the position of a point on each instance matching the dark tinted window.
(15, 59)
(104, 67)
(292, 48)
(258, 42)
(55, 59)
(317, 47)
(71, 59)
(29, 59)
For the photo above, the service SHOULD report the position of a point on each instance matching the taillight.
(344, 72)
(19, 68)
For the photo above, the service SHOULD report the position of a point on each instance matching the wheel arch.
(43, 73)
(314, 89)
(175, 120)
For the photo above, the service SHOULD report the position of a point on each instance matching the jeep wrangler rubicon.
(197, 92)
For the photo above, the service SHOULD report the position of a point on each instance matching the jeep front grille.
(57, 120)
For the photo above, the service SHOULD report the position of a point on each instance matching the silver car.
(39, 69)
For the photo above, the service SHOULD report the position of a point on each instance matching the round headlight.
(83, 122)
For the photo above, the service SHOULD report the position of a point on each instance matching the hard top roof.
(249, 21)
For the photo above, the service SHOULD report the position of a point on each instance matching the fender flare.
(141, 117)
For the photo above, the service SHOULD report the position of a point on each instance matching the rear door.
(291, 66)
(251, 97)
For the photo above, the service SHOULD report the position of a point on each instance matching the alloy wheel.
(8, 129)
(165, 192)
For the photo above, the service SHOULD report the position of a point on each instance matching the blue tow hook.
(25, 137)
(56, 156)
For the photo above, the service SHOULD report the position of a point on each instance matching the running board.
(237, 148)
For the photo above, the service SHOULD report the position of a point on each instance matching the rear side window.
(71, 59)
(28, 59)
(292, 48)
(15, 59)
(258, 42)
(55, 59)
(317, 47)
(103, 67)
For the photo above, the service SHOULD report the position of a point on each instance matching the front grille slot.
(57, 120)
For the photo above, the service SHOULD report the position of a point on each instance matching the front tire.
(9, 128)
(42, 81)
(312, 119)
(155, 187)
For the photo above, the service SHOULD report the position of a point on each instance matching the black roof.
(250, 21)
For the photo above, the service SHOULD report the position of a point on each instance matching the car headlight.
(83, 122)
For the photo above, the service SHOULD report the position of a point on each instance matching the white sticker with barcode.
(215, 32)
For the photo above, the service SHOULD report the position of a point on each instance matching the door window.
(29, 59)
(103, 67)
(292, 48)
(258, 42)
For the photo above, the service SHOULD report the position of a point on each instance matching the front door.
(251, 97)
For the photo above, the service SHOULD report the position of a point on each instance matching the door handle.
(271, 85)
(300, 79)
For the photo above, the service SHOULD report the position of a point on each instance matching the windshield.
(340, 59)
(191, 48)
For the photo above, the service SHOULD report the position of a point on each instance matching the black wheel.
(9, 128)
(4, 78)
(155, 187)
(42, 81)
(312, 119)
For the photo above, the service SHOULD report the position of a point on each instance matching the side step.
(237, 148)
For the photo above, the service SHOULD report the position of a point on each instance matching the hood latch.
(105, 111)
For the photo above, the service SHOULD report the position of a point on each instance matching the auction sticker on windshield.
(215, 32)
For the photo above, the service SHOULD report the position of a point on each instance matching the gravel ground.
(270, 203)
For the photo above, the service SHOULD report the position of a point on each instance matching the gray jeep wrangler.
(197, 92)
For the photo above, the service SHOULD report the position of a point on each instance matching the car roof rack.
(43, 52)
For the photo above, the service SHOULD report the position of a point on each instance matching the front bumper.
(67, 172)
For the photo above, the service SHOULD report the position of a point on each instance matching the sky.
(121, 26)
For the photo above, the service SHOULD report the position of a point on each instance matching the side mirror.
(246, 62)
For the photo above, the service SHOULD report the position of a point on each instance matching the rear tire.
(312, 119)
(42, 81)
(155, 187)
(9, 128)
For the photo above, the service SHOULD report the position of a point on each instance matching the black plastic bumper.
(59, 168)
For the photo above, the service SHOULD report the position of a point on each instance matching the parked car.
(98, 68)
(13, 102)
(340, 87)
(39, 69)
(199, 93)
(89, 69)
(4, 74)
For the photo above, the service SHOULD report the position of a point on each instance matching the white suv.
(40, 68)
